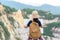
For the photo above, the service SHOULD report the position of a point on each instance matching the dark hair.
(35, 19)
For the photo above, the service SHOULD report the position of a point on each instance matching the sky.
(39, 2)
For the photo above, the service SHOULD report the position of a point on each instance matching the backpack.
(34, 30)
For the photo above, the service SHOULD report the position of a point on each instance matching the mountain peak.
(47, 7)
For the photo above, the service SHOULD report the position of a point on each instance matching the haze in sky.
(39, 2)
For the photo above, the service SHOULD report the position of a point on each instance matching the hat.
(35, 14)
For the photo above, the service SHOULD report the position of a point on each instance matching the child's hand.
(25, 26)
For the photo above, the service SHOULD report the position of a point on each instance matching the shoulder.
(39, 21)
(30, 21)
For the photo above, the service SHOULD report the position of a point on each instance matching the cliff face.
(7, 30)
(11, 25)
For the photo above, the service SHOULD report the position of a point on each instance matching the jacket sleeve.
(28, 24)
(39, 23)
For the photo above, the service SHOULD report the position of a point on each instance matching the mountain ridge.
(45, 7)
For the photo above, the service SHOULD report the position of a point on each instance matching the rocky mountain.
(10, 28)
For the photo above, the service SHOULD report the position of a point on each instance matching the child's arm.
(25, 26)
(40, 25)
(28, 24)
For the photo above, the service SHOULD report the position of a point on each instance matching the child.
(33, 25)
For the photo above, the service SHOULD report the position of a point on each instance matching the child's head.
(35, 14)
(35, 19)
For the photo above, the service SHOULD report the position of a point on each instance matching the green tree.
(9, 10)
(6, 32)
(47, 30)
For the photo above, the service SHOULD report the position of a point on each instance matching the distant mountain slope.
(16, 4)
(53, 9)
(46, 7)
